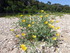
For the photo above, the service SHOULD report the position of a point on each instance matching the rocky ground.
(65, 33)
(8, 41)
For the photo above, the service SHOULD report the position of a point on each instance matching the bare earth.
(8, 40)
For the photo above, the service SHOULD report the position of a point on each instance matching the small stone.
(14, 50)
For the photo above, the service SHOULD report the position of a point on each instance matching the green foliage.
(30, 6)
(37, 28)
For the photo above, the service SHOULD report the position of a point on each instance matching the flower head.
(51, 21)
(17, 36)
(32, 22)
(57, 34)
(54, 38)
(11, 29)
(41, 16)
(42, 11)
(46, 22)
(56, 28)
(29, 25)
(23, 34)
(51, 26)
(23, 47)
(57, 21)
(34, 36)
(23, 20)
(21, 15)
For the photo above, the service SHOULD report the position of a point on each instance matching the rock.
(14, 51)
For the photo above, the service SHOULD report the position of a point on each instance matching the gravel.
(65, 33)
(7, 40)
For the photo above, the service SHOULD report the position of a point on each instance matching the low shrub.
(37, 28)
